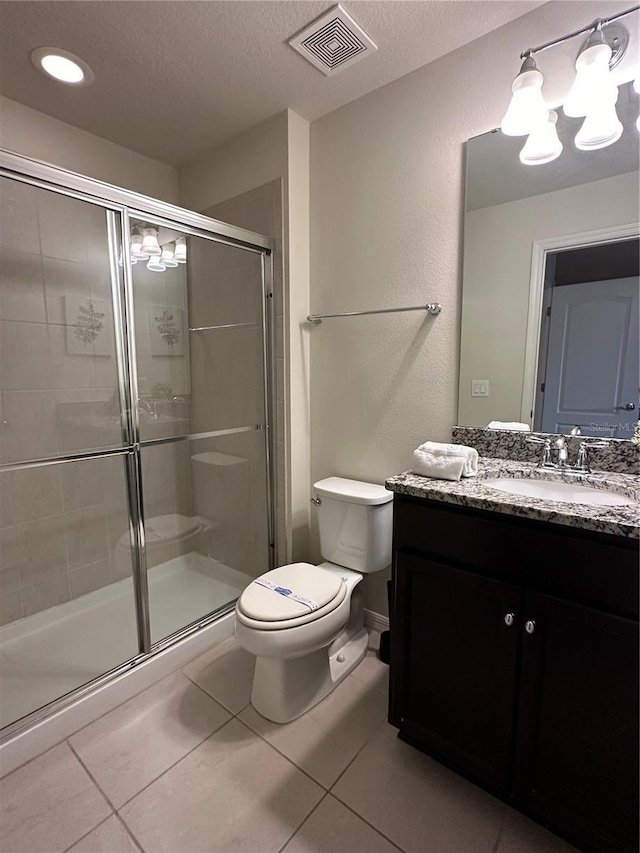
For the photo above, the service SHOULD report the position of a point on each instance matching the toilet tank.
(355, 521)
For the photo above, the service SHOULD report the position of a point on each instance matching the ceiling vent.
(333, 42)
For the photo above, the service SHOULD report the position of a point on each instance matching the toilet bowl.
(305, 623)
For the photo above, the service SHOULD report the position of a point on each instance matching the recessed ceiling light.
(62, 66)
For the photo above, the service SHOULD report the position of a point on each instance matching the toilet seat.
(261, 607)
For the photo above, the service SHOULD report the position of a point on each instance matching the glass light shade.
(527, 109)
(150, 242)
(135, 249)
(167, 255)
(180, 252)
(593, 84)
(155, 265)
(543, 144)
(600, 128)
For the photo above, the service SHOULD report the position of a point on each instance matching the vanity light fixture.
(527, 109)
(135, 248)
(543, 144)
(144, 246)
(180, 252)
(150, 244)
(61, 65)
(593, 82)
(155, 264)
(167, 257)
(593, 95)
(600, 128)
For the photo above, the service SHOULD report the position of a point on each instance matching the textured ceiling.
(175, 78)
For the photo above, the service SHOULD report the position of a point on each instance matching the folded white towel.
(445, 461)
(514, 425)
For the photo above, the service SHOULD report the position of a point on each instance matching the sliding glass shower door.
(135, 489)
(200, 358)
(64, 500)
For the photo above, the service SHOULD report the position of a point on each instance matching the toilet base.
(286, 689)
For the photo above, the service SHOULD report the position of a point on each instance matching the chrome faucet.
(582, 459)
(151, 408)
(545, 460)
(561, 453)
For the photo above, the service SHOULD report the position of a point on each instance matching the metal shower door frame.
(120, 206)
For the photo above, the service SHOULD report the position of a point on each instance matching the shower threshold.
(49, 654)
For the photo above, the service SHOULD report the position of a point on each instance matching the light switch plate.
(479, 387)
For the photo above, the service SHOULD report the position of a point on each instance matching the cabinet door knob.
(529, 626)
(508, 619)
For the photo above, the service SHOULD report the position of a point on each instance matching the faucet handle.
(582, 461)
(545, 456)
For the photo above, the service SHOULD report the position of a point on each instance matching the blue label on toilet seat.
(288, 593)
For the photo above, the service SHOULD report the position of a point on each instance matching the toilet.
(305, 623)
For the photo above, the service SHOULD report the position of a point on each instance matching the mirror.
(550, 287)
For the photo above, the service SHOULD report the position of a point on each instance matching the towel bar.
(431, 308)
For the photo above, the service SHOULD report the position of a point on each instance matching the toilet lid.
(289, 592)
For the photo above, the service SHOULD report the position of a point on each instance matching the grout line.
(303, 821)
(286, 757)
(155, 779)
(369, 824)
(366, 743)
(207, 694)
(35, 758)
(91, 776)
(82, 837)
(171, 766)
(129, 832)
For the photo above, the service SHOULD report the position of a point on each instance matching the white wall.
(275, 149)
(37, 135)
(246, 162)
(497, 262)
(387, 188)
(298, 333)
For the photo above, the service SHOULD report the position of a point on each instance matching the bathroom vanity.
(515, 647)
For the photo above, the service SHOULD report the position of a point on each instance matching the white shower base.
(49, 654)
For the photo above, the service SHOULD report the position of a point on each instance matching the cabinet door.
(453, 668)
(577, 750)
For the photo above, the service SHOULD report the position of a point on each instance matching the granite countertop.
(470, 492)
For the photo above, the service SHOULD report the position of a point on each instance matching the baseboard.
(375, 621)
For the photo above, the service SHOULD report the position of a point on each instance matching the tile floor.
(188, 765)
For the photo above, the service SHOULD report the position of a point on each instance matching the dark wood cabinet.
(518, 665)
(459, 651)
(577, 747)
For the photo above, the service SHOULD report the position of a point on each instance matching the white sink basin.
(558, 491)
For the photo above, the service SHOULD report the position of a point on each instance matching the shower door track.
(123, 203)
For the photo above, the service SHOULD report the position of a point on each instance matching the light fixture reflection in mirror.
(543, 144)
(519, 222)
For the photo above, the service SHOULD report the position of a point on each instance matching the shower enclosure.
(136, 489)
